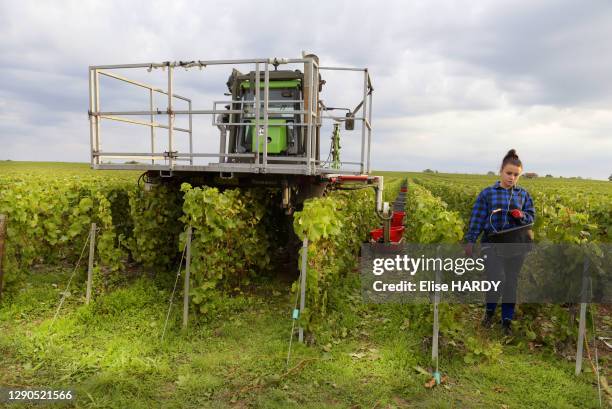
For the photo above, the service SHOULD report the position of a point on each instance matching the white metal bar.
(279, 111)
(368, 123)
(286, 158)
(222, 146)
(141, 158)
(266, 106)
(175, 128)
(176, 112)
(92, 117)
(341, 118)
(170, 116)
(317, 120)
(350, 163)
(190, 134)
(240, 102)
(313, 114)
(342, 69)
(181, 156)
(140, 84)
(129, 121)
(215, 155)
(195, 63)
(363, 128)
(97, 109)
(272, 125)
(143, 154)
(133, 157)
(136, 122)
(309, 119)
(257, 113)
(152, 127)
(121, 66)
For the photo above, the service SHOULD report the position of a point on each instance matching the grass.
(112, 354)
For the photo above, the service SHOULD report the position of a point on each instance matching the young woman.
(500, 207)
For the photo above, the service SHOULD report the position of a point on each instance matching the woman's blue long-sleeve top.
(493, 198)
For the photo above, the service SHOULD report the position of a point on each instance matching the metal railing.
(309, 108)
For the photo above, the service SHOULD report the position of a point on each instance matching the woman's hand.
(516, 213)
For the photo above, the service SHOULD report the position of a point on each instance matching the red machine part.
(397, 228)
(398, 219)
(395, 235)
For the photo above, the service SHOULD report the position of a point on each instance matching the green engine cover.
(277, 136)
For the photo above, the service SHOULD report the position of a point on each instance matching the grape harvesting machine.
(269, 131)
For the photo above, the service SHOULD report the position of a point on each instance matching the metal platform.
(224, 160)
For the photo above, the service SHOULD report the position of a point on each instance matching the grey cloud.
(444, 71)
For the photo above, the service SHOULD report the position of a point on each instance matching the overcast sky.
(456, 83)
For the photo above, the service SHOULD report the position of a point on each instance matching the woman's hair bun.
(512, 159)
(511, 154)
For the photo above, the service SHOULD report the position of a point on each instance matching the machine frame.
(171, 161)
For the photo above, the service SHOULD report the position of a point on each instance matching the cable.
(505, 220)
(508, 208)
(326, 161)
(178, 275)
(140, 178)
(70, 280)
(491, 221)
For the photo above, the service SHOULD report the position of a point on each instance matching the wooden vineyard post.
(3, 223)
(92, 249)
(186, 289)
(303, 286)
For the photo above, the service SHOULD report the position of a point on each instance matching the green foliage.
(553, 325)
(108, 245)
(230, 244)
(319, 219)
(391, 188)
(335, 226)
(428, 219)
(49, 219)
(566, 212)
(455, 333)
(155, 214)
(109, 349)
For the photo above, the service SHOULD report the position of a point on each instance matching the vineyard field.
(243, 289)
